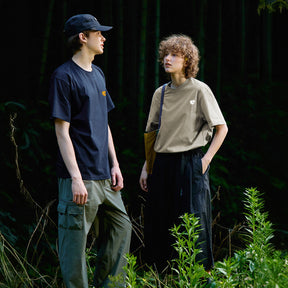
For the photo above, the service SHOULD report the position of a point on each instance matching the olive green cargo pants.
(106, 212)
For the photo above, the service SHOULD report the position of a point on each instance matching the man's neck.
(84, 60)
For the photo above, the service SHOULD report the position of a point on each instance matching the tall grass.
(15, 271)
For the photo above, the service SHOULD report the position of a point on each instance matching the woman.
(179, 182)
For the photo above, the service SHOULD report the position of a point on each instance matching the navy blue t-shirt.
(81, 98)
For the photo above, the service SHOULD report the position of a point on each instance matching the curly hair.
(183, 45)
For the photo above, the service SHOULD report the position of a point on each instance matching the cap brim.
(104, 28)
(95, 28)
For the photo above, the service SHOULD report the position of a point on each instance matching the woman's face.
(173, 63)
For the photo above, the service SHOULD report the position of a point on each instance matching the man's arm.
(220, 134)
(68, 154)
(117, 179)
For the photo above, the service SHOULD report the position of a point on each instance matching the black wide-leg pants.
(177, 186)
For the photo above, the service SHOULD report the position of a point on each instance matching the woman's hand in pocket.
(205, 163)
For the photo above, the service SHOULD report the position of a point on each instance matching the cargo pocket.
(70, 216)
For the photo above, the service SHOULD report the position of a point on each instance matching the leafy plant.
(130, 269)
(185, 270)
(190, 273)
(259, 264)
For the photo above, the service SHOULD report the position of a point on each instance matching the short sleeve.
(110, 104)
(210, 108)
(153, 117)
(59, 99)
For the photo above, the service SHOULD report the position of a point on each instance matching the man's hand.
(79, 191)
(117, 179)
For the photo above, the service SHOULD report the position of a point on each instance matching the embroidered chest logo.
(104, 93)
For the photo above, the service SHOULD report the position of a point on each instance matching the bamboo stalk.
(46, 42)
(219, 52)
(157, 35)
(202, 39)
(142, 69)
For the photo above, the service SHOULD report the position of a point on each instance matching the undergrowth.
(259, 264)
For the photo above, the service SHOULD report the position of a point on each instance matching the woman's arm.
(220, 134)
(68, 154)
(143, 178)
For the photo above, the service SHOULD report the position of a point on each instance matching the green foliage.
(90, 261)
(189, 272)
(130, 270)
(259, 229)
(185, 270)
(250, 143)
(259, 264)
(136, 279)
(272, 5)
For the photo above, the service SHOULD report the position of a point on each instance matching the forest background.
(243, 59)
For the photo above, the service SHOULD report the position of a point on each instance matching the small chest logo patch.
(192, 102)
(104, 93)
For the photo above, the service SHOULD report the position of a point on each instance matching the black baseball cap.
(82, 22)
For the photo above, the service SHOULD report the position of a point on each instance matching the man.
(88, 172)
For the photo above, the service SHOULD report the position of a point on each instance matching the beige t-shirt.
(189, 114)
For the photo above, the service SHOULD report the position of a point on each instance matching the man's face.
(95, 42)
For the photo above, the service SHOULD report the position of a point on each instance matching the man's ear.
(82, 37)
